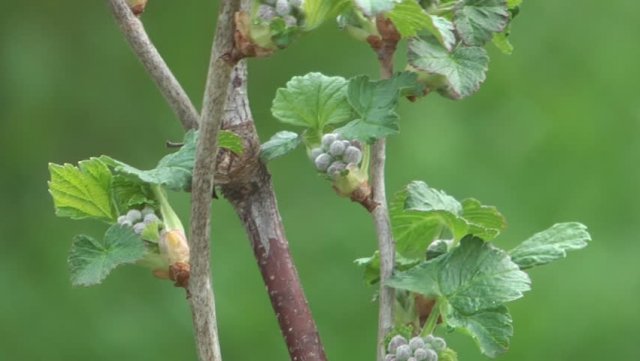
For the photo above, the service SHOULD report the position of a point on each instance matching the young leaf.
(231, 141)
(550, 245)
(512, 4)
(173, 171)
(475, 276)
(129, 192)
(491, 329)
(371, 8)
(83, 191)
(477, 20)
(375, 103)
(280, 144)
(419, 215)
(318, 11)
(372, 266)
(461, 71)
(313, 101)
(501, 41)
(485, 222)
(409, 19)
(90, 261)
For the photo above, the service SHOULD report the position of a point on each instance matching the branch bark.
(200, 292)
(246, 183)
(153, 63)
(385, 47)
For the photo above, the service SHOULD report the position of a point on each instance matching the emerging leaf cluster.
(471, 280)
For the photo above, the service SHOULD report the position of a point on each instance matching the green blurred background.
(552, 136)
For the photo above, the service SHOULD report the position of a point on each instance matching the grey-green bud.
(150, 218)
(323, 161)
(138, 228)
(403, 352)
(396, 341)
(431, 355)
(328, 139)
(389, 357)
(420, 354)
(416, 343)
(315, 152)
(282, 7)
(438, 344)
(336, 168)
(337, 148)
(134, 215)
(266, 13)
(352, 155)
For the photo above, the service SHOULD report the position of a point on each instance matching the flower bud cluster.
(416, 349)
(139, 220)
(335, 155)
(285, 9)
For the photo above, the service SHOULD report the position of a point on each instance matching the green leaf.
(129, 192)
(477, 20)
(90, 261)
(550, 245)
(475, 276)
(231, 141)
(409, 19)
(491, 329)
(371, 8)
(83, 191)
(375, 103)
(459, 73)
(512, 4)
(448, 355)
(501, 41)
(280, 144)
(313, 101)
(419, 215)
(173, 171)
(485, 222)
(318, 11)
(372, 266)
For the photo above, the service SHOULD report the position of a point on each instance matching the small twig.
(144, 49)
(385, 47)
(200, 290)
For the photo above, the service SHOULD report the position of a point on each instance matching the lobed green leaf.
(491, 329)
(477, 20)
(550, 245)
(313, 101)
(83, 191)
(90, 261)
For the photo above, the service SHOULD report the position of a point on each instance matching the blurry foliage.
(552, 135)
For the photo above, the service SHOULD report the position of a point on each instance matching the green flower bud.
(390, 357)
(134, 215)
(266, 13)
(315, 152)
(336, 168)
(431, 355)
(352, 155)
(420, 354)
(283, 8)
(328, 139)
(337, 148)
(138, 228)
(438, 344)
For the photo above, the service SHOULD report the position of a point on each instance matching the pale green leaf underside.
(318, 11)
(83, 191)
(550, 245)
(485, 222)
(90, 261)
(280, 144)
(477, 20)
(313, 101)
(474, 276)
(462, 70)
(372, 8)
(409, 18)
(491, 329)
(173, 171)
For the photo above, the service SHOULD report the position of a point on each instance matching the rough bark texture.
(153, 63)
(385, 47)
(200, 293)
(246, 183)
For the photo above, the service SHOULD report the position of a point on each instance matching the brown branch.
(201, 297)
(385, 47)
(246, 183)
(134, 32)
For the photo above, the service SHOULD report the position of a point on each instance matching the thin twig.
(200, 290)
(144, 49)
(385, 49)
